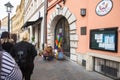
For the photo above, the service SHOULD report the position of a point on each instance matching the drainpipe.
(45, 23)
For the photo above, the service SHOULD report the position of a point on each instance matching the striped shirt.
(9, 68)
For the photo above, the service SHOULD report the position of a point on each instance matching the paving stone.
(62, 70)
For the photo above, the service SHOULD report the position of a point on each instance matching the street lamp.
(8, 9)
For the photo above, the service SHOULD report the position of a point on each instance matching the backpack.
(21, 54)
(21, 57)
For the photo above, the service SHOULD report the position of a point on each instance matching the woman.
(9, 70)
(24, 53)
(6, 41)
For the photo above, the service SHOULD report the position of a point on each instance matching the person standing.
(24, 54)
(6, 41)
(9, 69)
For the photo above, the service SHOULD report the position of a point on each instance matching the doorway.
(63, 35)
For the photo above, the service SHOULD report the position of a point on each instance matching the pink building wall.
(91, 21)
(107, 21)
(94, 21)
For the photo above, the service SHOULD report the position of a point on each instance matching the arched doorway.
(62, 31)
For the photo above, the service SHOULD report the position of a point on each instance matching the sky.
(3, 12)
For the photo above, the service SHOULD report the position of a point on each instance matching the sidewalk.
(62, 70)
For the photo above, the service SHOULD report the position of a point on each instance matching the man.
(9, 69)
(24, 54)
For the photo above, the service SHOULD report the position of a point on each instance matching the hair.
(25, 36)
(0, 45)
(5, 35)
(0, 41)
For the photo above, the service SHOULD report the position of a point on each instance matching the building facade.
(3, 25)
(4, 22)
(17, 20)
(88, 32)
(34, 21)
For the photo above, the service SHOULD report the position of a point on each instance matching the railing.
(107, 67)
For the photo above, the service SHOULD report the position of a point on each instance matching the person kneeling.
(48, 53)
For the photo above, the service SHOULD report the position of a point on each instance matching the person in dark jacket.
(7, 46)
(25, 60)
(6, 41)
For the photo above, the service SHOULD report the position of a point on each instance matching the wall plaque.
(104, 7)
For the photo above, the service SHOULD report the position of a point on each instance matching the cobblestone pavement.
(62, 70)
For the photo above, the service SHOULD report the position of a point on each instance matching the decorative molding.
(73, 26)
(68, 14)
(108, 57)
(72, 19)
(54, 17)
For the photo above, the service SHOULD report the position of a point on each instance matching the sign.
(104, 7)
(104, 39)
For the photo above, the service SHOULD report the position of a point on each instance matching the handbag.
(60, 55)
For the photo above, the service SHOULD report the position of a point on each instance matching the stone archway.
(54, 17)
